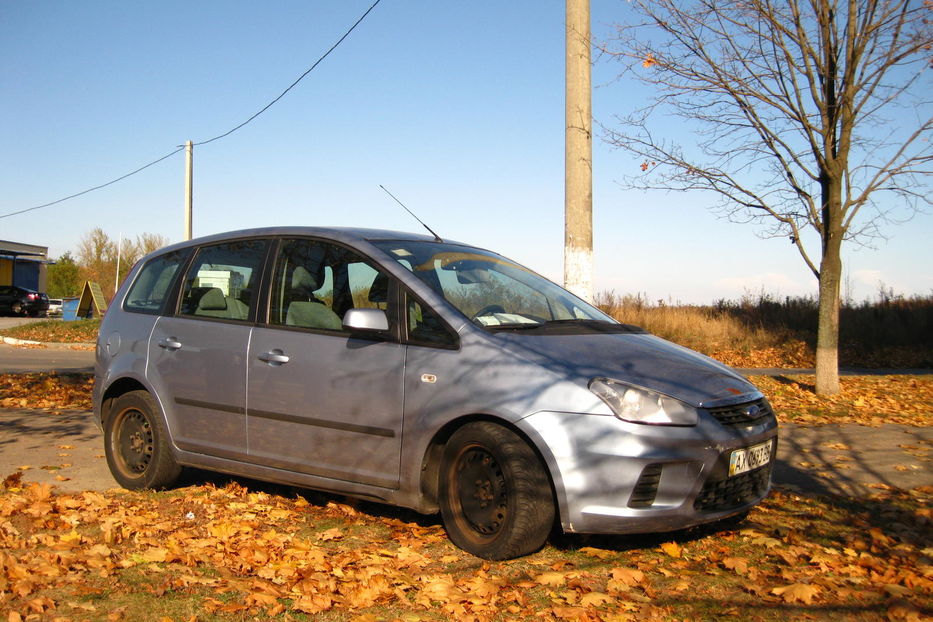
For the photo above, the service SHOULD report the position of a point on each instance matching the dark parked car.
(21, 301)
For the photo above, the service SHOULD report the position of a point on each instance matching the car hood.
(640, 359)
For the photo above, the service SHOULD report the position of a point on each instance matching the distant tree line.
(96, 260)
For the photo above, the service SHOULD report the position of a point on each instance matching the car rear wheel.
(495, 495)
(137, 446)
(16, 308)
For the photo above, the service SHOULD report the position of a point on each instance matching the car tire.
(16, 308)
(495, 494)
(136, 444)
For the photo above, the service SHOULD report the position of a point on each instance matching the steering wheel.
(487, 310)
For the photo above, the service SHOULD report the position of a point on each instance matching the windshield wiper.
(516, 326)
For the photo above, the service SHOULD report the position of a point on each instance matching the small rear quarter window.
(154, 283)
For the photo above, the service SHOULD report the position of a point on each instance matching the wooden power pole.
(578, 150)
(189, 187)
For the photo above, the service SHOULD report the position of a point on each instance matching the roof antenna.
(437, 238)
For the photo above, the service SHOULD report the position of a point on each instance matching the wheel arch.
(431, 461)
(119, 387)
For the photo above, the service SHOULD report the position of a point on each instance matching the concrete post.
(578, 167)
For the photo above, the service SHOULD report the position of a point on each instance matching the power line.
(77, 194)
(209, 140)
(300, 78)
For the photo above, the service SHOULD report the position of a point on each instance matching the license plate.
(743, 460)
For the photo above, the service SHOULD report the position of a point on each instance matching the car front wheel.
(495, 495)
(137, 446)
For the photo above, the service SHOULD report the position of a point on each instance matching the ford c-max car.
(423, 373)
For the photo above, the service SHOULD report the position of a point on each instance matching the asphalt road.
(18, 360)
(54, 357)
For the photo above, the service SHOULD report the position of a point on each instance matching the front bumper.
(615, 477)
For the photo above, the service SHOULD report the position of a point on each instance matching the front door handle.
(170, 343)
(275, 357)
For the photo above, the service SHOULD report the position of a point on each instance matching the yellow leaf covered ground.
(236, 553)
(46, 390)
(867, 400)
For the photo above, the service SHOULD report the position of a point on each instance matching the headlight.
(641, 405)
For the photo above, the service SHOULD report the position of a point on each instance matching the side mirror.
(366, 319)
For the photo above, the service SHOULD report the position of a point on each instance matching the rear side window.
(223, 280)
(153, 285)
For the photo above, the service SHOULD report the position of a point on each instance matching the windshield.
(489, 289)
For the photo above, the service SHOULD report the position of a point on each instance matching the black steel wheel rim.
(135, 442)
(481, 490)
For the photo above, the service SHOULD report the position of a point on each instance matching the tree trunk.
(827, 336)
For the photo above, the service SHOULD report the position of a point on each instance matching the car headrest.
(303, 279)
(213, 300)
(379, 290)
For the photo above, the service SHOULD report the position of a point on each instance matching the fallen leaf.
(597, 553)
(797, 592)
(595, 599)
(553, 579)
(738, 564)
(672, 548)
(628, 576)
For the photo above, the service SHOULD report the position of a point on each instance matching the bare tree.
(809, 117)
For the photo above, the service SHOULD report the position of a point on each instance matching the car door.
(322, 400)
(197, 357)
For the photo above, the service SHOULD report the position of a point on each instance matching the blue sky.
(457, 108)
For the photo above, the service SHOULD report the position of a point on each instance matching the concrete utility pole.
(189, 186)
(578, 166)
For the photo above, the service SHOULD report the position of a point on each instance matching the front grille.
(743, 414)
(733, 492)
(646, 488)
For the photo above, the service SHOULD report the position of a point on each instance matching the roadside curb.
(20, 342)
(12, 341)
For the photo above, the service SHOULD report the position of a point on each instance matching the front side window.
(489, 289)
(152, 287)
(425, 327)
(316, 283)
(223, 279)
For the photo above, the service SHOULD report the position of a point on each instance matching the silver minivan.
(423, 373)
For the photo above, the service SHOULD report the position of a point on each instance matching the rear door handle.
(275, 357)
(170, 343)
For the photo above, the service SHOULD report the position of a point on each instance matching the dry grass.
(764, 331)
(697, 327)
